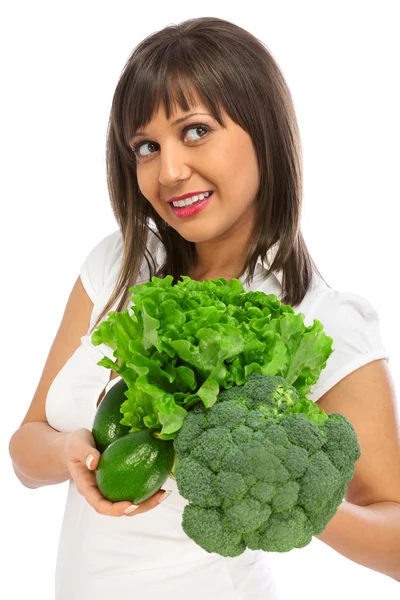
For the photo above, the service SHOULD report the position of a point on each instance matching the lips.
(184, 196)
(192, 209)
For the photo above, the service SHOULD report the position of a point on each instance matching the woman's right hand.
(79, 445)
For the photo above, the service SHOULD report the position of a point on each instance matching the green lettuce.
(178, 345)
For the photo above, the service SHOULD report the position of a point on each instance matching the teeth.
(192, 200)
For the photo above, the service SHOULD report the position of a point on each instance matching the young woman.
(205, 180)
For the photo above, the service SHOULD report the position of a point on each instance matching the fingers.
(83, 459)
(148, 504)
(101, 504)
(80, 446)
(92, 459)
(86, 484)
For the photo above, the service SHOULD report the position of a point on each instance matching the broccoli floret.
(262, 468)
(264, 390)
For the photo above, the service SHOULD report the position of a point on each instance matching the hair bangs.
(170, 79)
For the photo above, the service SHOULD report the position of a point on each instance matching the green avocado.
(134, 467)
(106, 425)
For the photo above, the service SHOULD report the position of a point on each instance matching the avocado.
(134, 467)
(106, 425)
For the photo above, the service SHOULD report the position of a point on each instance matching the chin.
(195, 236)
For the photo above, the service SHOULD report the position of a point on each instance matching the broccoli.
(262, 468)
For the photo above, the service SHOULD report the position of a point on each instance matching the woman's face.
(197, 155)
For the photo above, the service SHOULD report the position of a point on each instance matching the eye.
(138, 145)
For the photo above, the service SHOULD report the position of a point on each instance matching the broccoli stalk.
(262, 468)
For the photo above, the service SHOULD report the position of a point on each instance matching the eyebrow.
(176, 122)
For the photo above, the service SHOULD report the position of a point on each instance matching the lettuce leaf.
(180, 345)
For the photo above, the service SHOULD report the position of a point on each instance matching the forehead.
(189, 97)
(178, 112)
(167, 106)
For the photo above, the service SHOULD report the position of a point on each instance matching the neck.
(225, 255)
(212, 264)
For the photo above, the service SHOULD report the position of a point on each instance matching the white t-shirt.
(149, 555)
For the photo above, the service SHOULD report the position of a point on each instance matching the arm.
(36, 450)
(366, 527)
(368, 535)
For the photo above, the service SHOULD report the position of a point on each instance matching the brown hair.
(225, 66)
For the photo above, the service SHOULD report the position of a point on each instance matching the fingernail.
(89, 460)
(164, 496)
(130, 509)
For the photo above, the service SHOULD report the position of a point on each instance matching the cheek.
(239, 169)
(149, 191)
(144, 185)
(250, 179)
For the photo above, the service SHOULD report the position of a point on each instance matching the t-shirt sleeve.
(97, 265)
(353, 323)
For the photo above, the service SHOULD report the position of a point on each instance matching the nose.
(174, 166)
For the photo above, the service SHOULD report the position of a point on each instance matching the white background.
(60, 63)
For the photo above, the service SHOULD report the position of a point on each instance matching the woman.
(202, 108)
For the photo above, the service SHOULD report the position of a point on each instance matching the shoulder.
(352, 321)
(338, 308)
(101, 266)
(99, 261)
(343, 312)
